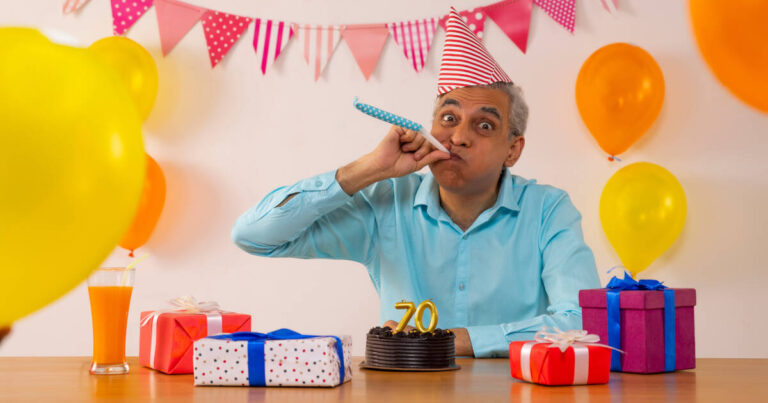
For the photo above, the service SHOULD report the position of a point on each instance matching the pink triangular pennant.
(70, 6)
(269, 39)
(174, 20)
(221, 31)
(475, 20)
(415, 38)
(366, 41)
(562, 11)
(514, 18)
(318, 43)
(610, 5)
(125, 13)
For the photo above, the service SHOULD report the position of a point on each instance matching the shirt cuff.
(324, 192)
(488, 341)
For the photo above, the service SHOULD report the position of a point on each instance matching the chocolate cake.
(413, 350)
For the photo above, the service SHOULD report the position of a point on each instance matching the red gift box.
(544, 363)
(167, 338)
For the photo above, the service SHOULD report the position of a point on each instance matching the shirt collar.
(429, 196)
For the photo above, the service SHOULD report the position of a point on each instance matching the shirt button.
(319, 183)
(461, 286)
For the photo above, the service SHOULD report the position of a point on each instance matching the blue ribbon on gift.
(256, 375)
(615, 286)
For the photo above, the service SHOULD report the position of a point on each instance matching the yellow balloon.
(71, 168)
(134, 65)
(642, 210)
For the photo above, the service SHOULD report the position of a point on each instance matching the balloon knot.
(614, 158)
(130, 254)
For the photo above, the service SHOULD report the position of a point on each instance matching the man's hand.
(404, 151)
(400, 152)
(392, 325)
(463, 342)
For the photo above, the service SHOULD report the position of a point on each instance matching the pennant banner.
(269, 39)
(475, 20)
(562, 11)
(70, 6)
(125, 13)
(221, 31)
(174, 20)
(415, 38)
(318, 43)
(514, 18)
(366, 43)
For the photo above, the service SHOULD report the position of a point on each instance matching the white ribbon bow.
(186, 304)
(190, 304)
(563, 340)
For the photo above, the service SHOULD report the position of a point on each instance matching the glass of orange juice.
(109, 289)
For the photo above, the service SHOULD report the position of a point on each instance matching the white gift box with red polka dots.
(293, 362)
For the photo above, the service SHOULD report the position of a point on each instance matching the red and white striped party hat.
(466, 62)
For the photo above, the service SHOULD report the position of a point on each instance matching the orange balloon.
(150, 207)
(619, 93)
(733, 38)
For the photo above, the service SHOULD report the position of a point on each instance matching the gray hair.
(518, 109)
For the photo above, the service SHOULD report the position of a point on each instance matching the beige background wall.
(226, 137)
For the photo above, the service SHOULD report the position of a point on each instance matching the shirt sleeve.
(568, 266)
(320, 221)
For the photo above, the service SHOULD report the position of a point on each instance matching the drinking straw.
(130, 266)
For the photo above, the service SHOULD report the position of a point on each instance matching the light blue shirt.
(519, 267)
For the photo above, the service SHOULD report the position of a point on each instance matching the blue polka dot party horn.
(398, 121)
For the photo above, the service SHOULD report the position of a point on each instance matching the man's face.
(473, 123)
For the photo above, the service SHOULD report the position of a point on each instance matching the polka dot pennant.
(386, 116)
(475, 20)
(562, 11)
(222, 31)
(125, 13)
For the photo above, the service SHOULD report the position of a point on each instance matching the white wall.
(226, 137)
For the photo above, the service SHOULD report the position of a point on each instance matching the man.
(499, 255)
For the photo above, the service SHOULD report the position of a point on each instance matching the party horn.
(398, 121)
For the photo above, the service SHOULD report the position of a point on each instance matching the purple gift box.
(642, 327)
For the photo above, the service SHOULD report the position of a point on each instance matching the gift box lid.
(637, 299)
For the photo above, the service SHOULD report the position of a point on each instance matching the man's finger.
(413, 145)
(407, 136)
(434, 156)
(391, 323)
(426, 148)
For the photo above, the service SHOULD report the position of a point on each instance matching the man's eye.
(486, 126)
(448, 118)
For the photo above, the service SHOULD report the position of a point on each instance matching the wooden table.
(43, 379)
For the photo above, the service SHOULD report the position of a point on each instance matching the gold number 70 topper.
(409, 310)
